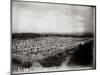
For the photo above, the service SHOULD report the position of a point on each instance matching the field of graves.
(28, 54)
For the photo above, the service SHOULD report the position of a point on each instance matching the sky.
(51, 18)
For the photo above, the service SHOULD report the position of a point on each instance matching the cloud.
(41, 17)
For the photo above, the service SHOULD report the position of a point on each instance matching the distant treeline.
(35, 35)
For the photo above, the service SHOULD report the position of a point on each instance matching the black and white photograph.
(52, 37)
